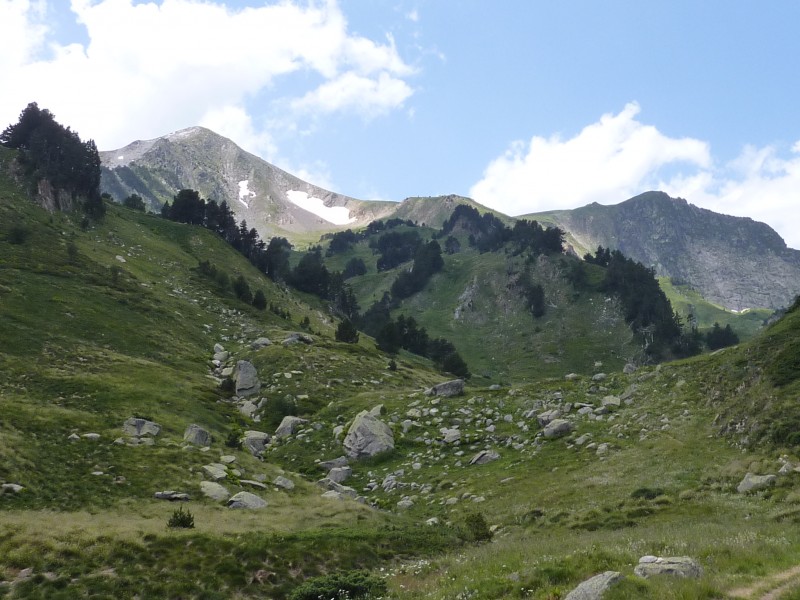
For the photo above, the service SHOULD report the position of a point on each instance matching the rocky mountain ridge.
(735, 262)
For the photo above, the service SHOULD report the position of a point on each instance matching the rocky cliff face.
(732, 261)
(268, 198)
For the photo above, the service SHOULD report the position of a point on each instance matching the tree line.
(49, 151)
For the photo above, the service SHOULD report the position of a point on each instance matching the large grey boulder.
(340, 474)
(368, 436)
(679, 566)
(327, 465)
(215, 491)
(215, 471)
(139, 427)
(255, 442)
(171, 495)
(447, 389)
(288, 426)
(247, 382)
(284, 482)
(196, 435)
(548, 416)
(246, 500)
(754, 483)
(557, 428)
(595, 587)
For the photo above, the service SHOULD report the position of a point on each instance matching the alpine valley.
(221, 381)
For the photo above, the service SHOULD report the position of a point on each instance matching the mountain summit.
(268, 198)
(732, 261)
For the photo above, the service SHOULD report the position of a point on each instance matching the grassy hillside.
(650, 467)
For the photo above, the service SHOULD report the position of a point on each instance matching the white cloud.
(369, 97)
(158, 66)
(619, 157)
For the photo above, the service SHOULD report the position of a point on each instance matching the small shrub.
(346, 332)
(392, 365)
(646, 493)
(475, 528)
(259, 300)
(305, 323)
(17, 234)
(227, 386)
(181, 519)
(340, 586)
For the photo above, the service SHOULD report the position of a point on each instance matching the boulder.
(215, 471)
(172, 496)
(295, 338)
(447, 389)
(595, 587)
(327, 465)
(255, 442)
(340, 474)
(451, 436)
(629, 368)
(259, 343)
(679, 566)
(367, 436)
(288, 426)
(221, 356)
(484, 456)
(571, 376)
(547, 416)
(753, 483)
(333, 495)
(611, 402)
(253, 483)
(247, 382)
(215, 491)
(329, 485)
(218, 348)
(139, 427)
(284, 482)
(12, 488)
(246, 500)
(196, 435)
(599, 377)
(248, 408)
(557, 428)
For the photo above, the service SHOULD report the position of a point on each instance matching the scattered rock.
(447, 389)
(74, 437)
(679, 566)
(451, 436)
(196, 435)
(405, 503)
(547, 416)
(288, 426)
(284, 482)
(92, 437)
(327, 465)
(611, 402)
(215, 471)
(753, 483)
(12, 488)
(557, 428)
(340, 474)
(599, 377)
(571, 376)
(247, 382)
(246, 500)
(221, 357)
(172, 496)
(333, 495)
(253, 483)
(629, 368)
(218, 348)
(483, 457)
(595, 587)
(367, 436)
(255, 442)
(259, 343)
(295, 338)
(139, 427)
(215, 491)
(329, 485)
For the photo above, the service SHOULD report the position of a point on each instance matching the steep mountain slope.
(268, 198)
(732, 261)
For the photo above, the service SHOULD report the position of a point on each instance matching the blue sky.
(523, 105)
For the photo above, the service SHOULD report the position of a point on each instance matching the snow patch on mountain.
(338, 215)
(245, 192)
